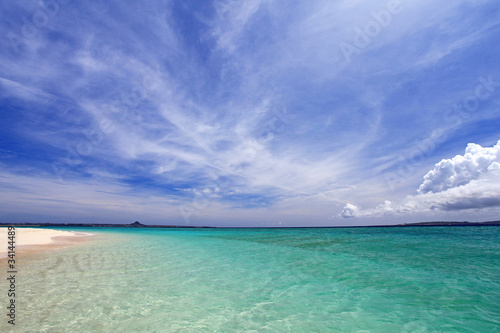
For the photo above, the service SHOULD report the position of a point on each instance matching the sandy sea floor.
(283, 280)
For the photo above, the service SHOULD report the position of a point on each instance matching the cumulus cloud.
(350, 210)
(461, 170)
(469, 181)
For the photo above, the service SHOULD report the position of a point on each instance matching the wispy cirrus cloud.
(247, 106)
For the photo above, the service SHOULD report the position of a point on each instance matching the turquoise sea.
(434, 279)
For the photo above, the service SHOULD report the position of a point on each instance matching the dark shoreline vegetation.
(137, 224)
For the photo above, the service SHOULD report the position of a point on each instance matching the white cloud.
(350, 210)
(232, 18)
(461, 170)
(189, 106)
(469, 181)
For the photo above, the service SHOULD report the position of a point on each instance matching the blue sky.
(249, 113)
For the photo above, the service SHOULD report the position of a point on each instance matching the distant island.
(449, 224)
(137, 224)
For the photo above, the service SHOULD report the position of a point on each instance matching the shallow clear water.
(439, 279)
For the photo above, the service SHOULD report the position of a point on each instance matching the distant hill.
(136, 224)
(449, 224)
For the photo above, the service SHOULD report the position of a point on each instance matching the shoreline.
(36, 240)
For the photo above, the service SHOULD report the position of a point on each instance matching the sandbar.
(32, 240)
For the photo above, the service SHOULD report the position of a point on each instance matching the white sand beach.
(31, 239)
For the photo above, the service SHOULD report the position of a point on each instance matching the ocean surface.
(435, 279)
